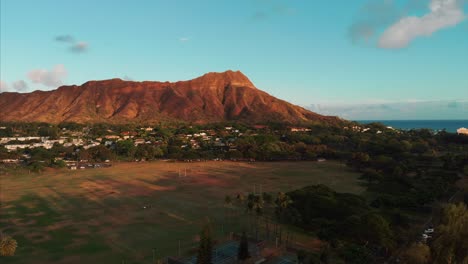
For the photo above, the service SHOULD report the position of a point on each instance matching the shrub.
(8, 246)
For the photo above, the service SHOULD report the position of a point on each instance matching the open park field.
(120, 213)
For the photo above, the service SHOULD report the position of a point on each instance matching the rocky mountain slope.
(213, 97)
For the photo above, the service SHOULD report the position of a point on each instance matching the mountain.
(213, 97)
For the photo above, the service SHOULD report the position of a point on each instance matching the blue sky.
(306, 52)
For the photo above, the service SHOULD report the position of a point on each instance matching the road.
(394, 258)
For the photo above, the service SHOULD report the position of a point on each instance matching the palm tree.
(7, 246)
(250, 202)
(268, 198)
(282, 202)
(206, 246)
(243, 252)
(258, 207)
(240, 198)
(227, 205)
(249, 208)
(227, 200)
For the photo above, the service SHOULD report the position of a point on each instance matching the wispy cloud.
(75, 46)
(79, 47)
(65, 38)
(269, 8)
(20, 86)
(259, 15)
(49, 78)
(405, 109)
(3, 86)
(443, 14)
(184, 39)
(127, 78)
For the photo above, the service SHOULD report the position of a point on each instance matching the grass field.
(98, 215)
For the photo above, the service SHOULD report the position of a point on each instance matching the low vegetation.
(403, 175)
(8, 246)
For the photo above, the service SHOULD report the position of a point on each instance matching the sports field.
(134, 210)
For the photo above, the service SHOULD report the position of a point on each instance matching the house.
(129, 133)
(299, 129)
(139, 141)
(463, 131)
(260, 127)
(10, 161)
(17, 146)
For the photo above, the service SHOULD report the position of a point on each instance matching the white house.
(462, 131)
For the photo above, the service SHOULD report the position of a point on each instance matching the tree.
(125, 148)
(227, 204)
(359, 159)
(371, 175)
(258, 204)
(8, 246)
(243, 252)
(377, 229)
(49, 131)
(282, 202)
(417, 253)
(36, 166)
(356, 254)
(240, 198)
(268, 198)
(227, 200)
(206, 246)
(100, 153)
(450, 244)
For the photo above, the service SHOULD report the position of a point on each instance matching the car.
(429, 231)
(425, 236)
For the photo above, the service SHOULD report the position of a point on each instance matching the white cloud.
(127, 78)
(20, 85)
(52, 78)
(184, 39)
(443, 14)
(3, 86)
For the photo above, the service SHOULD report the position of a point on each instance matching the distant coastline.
(448, 125)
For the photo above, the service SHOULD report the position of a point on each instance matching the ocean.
(448, 125)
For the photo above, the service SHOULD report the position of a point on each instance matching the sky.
(307, 52)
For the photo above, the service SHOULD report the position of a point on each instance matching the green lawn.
(67, 216)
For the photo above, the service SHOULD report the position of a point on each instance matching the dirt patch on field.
(98, 189)
(37, 237)
(207, 180)
(35, 214)
(22, 222)
(4, 207)
(59, 225)
(178, 217)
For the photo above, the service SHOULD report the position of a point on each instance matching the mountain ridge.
(212, 97)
